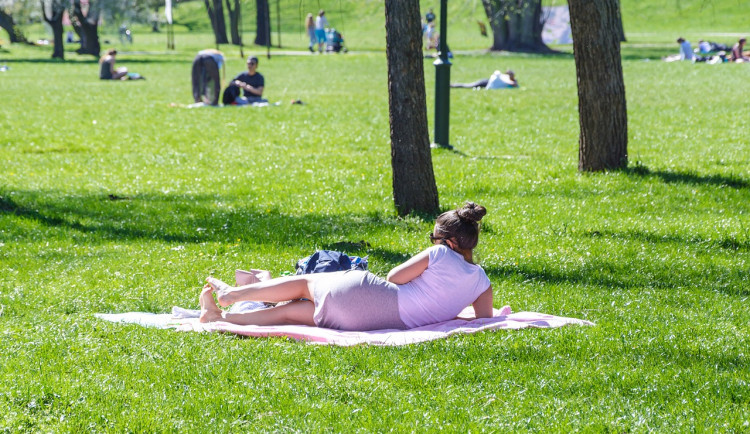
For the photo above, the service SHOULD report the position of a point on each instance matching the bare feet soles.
(223, 291)
(210, 312)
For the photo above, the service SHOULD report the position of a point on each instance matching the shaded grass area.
(114, 200)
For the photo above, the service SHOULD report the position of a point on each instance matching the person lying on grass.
(497, 80)
(433, 286)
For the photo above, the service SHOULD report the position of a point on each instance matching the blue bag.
(324, 261)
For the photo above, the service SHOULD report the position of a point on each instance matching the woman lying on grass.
(433, 286)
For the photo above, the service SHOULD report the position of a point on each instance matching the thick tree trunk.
(516, 25)
(262, 23)
(414, 188)
(54, 19)
(602, 111)
(14, 33)
(215, 11)
(234, 21)
(620, 28)
(88, 28)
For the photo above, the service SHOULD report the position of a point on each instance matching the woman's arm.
(483, 304)
(410, 269)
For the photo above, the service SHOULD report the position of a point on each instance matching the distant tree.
(14, 32)
(602, 113)
(414, 187)
(233, 8)
(262, 23)
(516, 25)
(86, 25)
(55, 20)
(215, 11)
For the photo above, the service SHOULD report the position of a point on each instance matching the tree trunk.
(54, 19)
(262, 23)
(516, 25)
(215, 11)
(602, 112)
(14, 33)
(620, 28)
(88, 28)
(414, 188)
(234, 21)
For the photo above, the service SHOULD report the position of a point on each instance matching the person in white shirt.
(321, 23)
(497, 80)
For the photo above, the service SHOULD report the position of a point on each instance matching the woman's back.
(105, 67)
(446, 287)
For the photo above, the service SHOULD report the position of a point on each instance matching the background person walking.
(320, 29)
(310, 29)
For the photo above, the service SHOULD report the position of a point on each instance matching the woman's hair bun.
(471, 212)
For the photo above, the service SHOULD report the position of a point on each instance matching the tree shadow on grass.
(727, 242)
(647, 53)
(603, 276)
(88, 60)
(687, 178)
(195, 219)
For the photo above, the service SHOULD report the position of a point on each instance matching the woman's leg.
(275, 290)
(119, 73)
(478, 83)
(294, 313)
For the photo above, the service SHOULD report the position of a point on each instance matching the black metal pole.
(278, 22)
(442, 84)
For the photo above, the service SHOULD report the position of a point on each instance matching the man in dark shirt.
(251, 83)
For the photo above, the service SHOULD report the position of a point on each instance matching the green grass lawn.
(658, 256)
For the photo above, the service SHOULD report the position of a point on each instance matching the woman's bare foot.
(210, 312)
(223, 291)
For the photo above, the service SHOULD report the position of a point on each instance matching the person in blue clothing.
(251, 83)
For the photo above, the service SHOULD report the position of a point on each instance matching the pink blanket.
(503, 319)
(187, 320)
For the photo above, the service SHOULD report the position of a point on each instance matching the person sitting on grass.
(737, 54)
(433, 286)
(107, 70)
(251, 82)
(686, 50)
(497, 80)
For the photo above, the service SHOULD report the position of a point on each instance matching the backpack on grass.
(230, 94)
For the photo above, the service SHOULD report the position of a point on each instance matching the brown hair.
(461, 224)
(110, 52)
